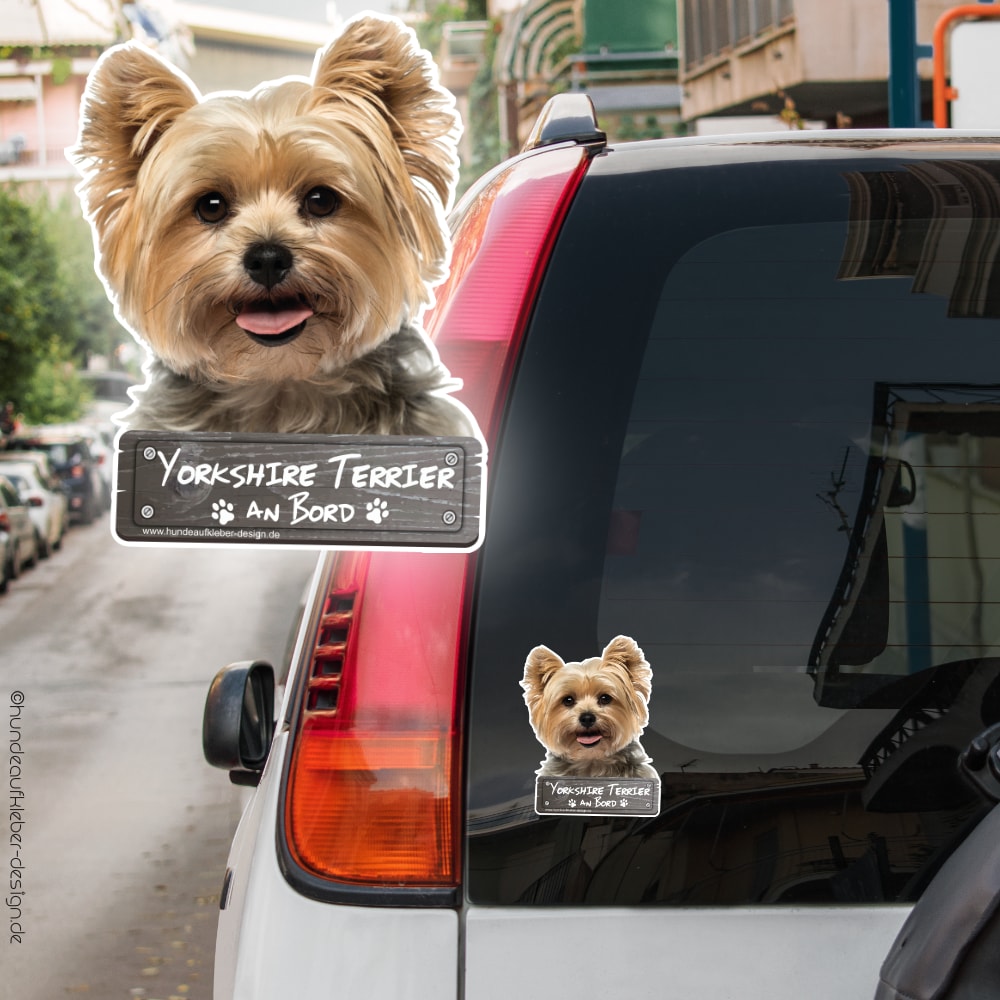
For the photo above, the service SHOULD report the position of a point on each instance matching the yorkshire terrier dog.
(589, 715)
(273, 249)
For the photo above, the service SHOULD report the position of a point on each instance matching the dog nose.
(587, 719)
(268, 263)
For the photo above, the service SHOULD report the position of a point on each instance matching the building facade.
(818, 60)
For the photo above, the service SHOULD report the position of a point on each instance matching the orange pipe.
(942, 92)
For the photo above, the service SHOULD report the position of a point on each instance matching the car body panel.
(326, 951)
(46, 507)
(686, 954)
(19, 541)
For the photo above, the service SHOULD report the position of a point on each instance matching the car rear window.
(61, 453)
(18, 482)
(11, 498)
(756, 427)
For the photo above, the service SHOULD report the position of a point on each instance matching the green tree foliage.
(628, 130)
(97, 331)
(38, 319)
(484, 117)
(483, 124)
(430, 30)
(55, 393)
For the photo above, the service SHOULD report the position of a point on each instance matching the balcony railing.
(713, 28)
(33, 166)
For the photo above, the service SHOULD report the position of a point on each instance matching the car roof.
(810, 144)
(37, 458)
(44, 436)
(20, 468)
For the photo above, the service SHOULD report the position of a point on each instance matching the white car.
(741, 400)
(46, 502)
(100, 441)
(18, 546)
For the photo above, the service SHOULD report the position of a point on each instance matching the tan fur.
(372, 126)
(605, 696)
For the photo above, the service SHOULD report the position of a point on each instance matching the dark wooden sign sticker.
(596, 796)
(335, 491)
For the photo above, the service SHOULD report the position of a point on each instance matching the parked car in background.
(741, 402)
(42, 462)
(17, 534)
(46, 501)
(100, 440)
(69, 449)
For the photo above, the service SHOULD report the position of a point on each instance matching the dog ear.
(378, 60)
(625, 652)
(132, 98)
(541, 664)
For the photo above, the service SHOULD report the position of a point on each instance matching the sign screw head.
(147, 510)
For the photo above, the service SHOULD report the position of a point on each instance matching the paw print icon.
(222, 511)
(378, 511)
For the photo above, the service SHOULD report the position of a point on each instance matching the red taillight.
(502, 245)
(374, 783)
(4, 521)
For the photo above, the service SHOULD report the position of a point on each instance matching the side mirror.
(904, 486)
(979, 763)
(238, 724)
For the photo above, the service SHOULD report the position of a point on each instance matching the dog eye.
(604, 699)
(569, 701)
(211, 208)
(321, 202)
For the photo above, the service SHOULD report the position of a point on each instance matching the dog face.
(592, 709)
(278, 234)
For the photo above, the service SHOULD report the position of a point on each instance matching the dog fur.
(273, 249)
(589, 715)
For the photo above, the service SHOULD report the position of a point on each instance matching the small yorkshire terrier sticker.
(589, 716)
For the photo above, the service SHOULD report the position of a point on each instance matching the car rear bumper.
(772, 953)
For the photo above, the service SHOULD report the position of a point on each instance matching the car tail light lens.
(373, 788)
(504, 240)
(4, 521)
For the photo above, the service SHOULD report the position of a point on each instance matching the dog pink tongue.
(588, 741)
(266, 324)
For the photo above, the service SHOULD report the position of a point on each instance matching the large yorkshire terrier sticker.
(589, 716)
(273, 249)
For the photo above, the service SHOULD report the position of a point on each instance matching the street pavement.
(106, 654)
